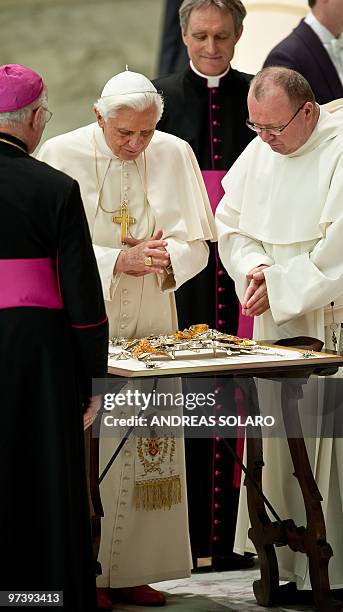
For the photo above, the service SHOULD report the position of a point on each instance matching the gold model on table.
(196, 338)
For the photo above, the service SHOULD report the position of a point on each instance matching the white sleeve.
(238, 252)
(308, 281)
(187, 259)
(106, 258)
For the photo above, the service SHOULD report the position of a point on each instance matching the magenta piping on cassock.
(90, 324)
(211, 126)
(215, 192)
(29, 283)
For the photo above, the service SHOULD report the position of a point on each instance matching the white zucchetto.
(126, 83)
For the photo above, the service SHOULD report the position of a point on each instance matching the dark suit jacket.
(303, 51)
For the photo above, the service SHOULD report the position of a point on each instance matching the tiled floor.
(211, 592)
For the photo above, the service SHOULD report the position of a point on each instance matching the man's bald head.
(282, 109)
(295, 86)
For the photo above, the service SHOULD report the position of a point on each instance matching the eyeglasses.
(273, 131)
(48, 114)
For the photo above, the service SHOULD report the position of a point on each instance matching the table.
(277, 358)
(311, 540)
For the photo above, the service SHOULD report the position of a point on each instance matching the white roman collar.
(212, 81)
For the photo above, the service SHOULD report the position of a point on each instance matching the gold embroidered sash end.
(158, 494)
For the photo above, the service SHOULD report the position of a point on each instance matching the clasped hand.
(255, 301)
(133, 261)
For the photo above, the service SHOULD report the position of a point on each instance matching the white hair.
(21, 115)
(110, 106)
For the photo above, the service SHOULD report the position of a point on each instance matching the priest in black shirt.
(205, 104)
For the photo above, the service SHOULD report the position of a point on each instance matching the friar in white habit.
(149, 218)
(280, 227)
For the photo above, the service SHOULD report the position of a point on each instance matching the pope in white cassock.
(149, 219)
(280, 228)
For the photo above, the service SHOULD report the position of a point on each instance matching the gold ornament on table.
(144, 347)
(192, 332)
(195, 339)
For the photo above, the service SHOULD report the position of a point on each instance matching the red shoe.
(103, 599)
(143, 595)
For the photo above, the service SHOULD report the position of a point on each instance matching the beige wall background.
(77, 45)
(267, 22)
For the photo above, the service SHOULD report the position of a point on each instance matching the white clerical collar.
(212, 81)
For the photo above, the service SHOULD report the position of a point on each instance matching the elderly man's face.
(274, 110)
(129, 132)
(210, 39)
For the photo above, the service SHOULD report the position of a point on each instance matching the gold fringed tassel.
(158, 494)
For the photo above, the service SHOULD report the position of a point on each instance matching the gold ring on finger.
(148, 261)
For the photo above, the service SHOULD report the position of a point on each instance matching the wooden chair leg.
(312, 540)
(263, 531)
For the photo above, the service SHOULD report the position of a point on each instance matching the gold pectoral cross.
(125, 220)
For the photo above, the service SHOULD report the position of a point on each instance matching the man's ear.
(239, 34)
(184, 36)
(37, 119)
(99, 118)
(309, 109)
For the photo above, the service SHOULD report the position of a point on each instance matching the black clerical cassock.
(54, 336)
(210, 114)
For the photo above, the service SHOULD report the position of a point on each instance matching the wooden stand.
(265, 534)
